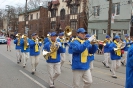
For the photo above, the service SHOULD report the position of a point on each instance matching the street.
(13, 75)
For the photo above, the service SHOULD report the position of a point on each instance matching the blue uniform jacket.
(15, 42)
(112, 52)
(64, 50)
(22, 45)
(46, 40)
(32, 48)
(91, 57)
(129, 68)
(77, 49)
(60, 50)
(127, 45)
(70, 48)
(106, 48)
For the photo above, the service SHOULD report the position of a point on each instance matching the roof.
(32, 10)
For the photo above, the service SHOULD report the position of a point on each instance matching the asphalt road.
(13, 75)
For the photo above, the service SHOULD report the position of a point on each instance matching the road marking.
(32, 79)
(107, 74)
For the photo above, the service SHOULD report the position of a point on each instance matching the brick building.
(62, 13)
(37, 22)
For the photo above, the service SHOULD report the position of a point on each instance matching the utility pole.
(25, 29)
(8, 12)
(109, 18)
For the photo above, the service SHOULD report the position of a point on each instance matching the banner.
(112, 18)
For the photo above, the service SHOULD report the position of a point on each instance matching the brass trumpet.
(67, 33)
(18, 35)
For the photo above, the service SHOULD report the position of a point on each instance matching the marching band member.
(115, 51)
(24, 42)
(53, 61)
(129, 68)
(18, 47)
(90, 56)
(80, 63)
(69, 49)
(34, 51)
(107, 43)
(61, 39)
(127, 41)
(47, 38)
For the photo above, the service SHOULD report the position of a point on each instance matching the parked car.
(3, 40)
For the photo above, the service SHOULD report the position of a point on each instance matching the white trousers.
(68, 55)
(54, 71)
(34, 62)
(25, 56)
(115, 65)
(19, 55)
(91, 65)
(124, 57)
(106, 58)
(85, 75)
(62, 55)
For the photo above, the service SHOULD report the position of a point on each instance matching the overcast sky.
(3, 3)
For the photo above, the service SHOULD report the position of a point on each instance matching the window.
(94, 32)
(37, 16)
(31, 17)
(124, 31)
(116, 8)
(53, 13)
(73, 9)
(62, 14)
(53, 25)
(96, 10)
(104, 31)
(73, 25)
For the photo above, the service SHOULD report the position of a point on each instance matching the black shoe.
(32, 73)
(114, 76)
(122, 63)
(10, 50)
(104, 64)
(17, 62)
(20, 60)
(23, 66)
(107, 67)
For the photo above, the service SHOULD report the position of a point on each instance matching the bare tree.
(32, 4)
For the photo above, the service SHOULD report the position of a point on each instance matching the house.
(62, 13)
(98, 21)
(36, 22)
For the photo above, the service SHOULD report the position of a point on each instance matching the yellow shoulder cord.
(36, 46)
(118, 52)
(84, 54)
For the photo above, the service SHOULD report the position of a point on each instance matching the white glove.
(92, 38)
(59, 43)
(45, 52)
(37, 41)
(27, 43)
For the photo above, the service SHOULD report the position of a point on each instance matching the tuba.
(53, 48)
(67, 33)
(25, 42)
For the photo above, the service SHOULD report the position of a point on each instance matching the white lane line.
(32, 79)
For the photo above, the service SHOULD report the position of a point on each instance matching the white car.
(3, 40)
